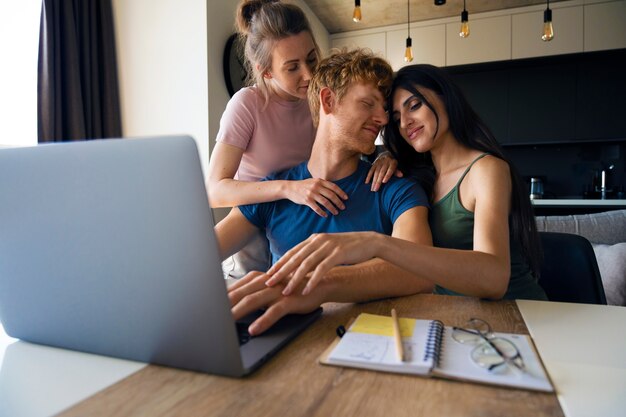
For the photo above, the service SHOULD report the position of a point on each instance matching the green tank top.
(452, 226)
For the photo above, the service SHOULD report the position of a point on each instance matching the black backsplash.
(568, 170)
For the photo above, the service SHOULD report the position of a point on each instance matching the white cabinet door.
(489, 40)
(429, 46)
(374, 41)
(568, 33)
(605, 26)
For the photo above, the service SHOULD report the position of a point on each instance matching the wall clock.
(235, 73)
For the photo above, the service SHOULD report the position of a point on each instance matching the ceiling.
(336, 15)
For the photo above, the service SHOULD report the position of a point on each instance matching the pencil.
(396, 335)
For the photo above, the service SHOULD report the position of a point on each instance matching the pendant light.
(408, 52)
(548, 30)
(356, 16)
(465, 32)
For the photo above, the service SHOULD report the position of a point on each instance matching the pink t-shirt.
(274, 137)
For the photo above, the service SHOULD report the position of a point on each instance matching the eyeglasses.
(490, 352)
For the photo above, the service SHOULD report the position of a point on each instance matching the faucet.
(603, 190)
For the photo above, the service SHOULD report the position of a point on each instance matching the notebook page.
(456, 363)
(369, 344)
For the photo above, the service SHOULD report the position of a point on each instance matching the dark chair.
(569, 271)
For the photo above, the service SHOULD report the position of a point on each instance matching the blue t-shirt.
(286, 223)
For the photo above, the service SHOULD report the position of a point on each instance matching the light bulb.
(408, 52)
(548, 30)
(465, 31)
(356, 16)
(408, 55)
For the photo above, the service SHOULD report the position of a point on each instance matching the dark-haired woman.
(267, 127)
(486, 244)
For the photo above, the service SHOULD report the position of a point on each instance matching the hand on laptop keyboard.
(250, 293)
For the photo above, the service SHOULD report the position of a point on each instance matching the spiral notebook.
(430, 351)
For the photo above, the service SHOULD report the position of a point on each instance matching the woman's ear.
(266, 74)
(327, 100)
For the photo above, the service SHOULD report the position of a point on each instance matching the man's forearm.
(233, 233)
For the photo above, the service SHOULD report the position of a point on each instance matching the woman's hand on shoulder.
(382, 169)
(318, 194)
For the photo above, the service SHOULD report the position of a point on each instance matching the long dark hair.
(469, 130)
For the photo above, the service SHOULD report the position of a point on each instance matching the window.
(19, 48)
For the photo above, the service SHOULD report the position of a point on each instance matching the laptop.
(108, 247)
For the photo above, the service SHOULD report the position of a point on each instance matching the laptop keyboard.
(242, 333)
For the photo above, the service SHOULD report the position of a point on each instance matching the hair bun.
(246, 11)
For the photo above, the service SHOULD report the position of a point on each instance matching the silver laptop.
(108, 247)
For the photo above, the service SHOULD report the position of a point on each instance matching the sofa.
(607, 233)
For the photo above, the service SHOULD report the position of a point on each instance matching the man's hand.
(251, 294)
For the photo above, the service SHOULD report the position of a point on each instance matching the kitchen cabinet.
(605, 26)
(528, 27)
(556, 99)
(601, 96)
(488, 94)
(429, 45)
(592, 25)
(492, 31)
(542, 103)
(374, 41)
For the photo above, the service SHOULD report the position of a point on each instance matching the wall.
(579, 25)
(19, 43)
(220, 25)
(162, 63)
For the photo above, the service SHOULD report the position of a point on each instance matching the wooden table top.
(293, 383)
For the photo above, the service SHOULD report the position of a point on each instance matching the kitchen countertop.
(578, 202)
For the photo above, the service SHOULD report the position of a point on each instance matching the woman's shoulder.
(490, 173)
(244, 104)
(490, 165)
(247, 95)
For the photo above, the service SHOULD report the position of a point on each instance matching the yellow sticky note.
(381, 325)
